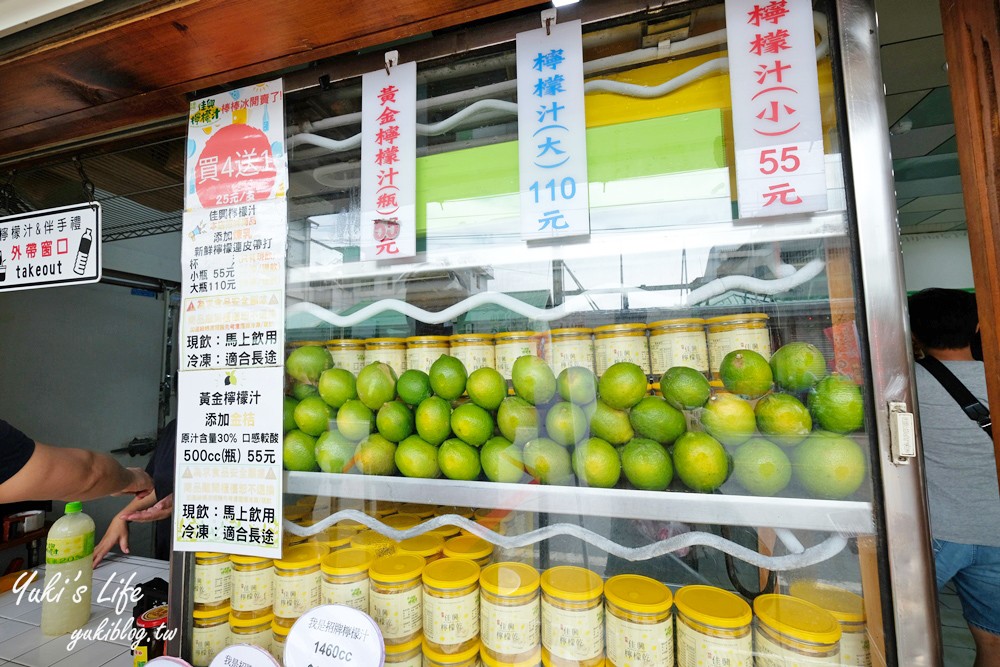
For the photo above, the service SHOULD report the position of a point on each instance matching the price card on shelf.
(777, 126)
(332, 636)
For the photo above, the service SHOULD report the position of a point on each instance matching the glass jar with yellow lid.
(447, 531)
(428, 546)
(464, 512)
(509, 345)
(375, 542)
(466, 658)
(297, 580)
(409, 654)
(253, 631)
(849, 610)
(474, 350)
(510, 622)
(533, 660)
(345, 578)
(422, 351)
(391, 351)
(209, 634)
(615, 343)
(421, 510)
(383, 508)
(639, 629)
(335, 537)
(451, 605)
(679, 342)
(252, 586)
(402, 521)
(279, 635)
(213, 582)
(572, 617)
(347, 353)
(791, 631)
(573, 346)
(712, 622)
(747, 331)
(474, 548)
(396, 597)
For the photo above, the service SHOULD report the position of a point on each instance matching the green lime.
(414, 387)
(622, 385)
(829, 465)
(798, 366)
(448, 377)
(746, 373)
(654, 418)
(836, 404)
(577, 384)
(302, 390)
(415, 457)
(334, 452)
(375, 456)
(782, 419)
(312, 415)
(517, 419)
(596, 463)
(458, 460)
(729, 418)
(548, 461)
(685, 388)
(761, 467)
(394, 421)
(298, 451)
(701, 461)
(501, 460)
(611, 424)
(471, 424)
(288, 413)
(647, 465)
(376, 384)
(354, 420)
(566, 423)
(307, 363)
(337, 386)
(533, 380)
(486, 388)
(433, 420)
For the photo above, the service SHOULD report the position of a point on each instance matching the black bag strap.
(971, 405)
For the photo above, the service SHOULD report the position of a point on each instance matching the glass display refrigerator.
(681, 435)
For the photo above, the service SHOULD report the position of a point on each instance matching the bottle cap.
(74, 507)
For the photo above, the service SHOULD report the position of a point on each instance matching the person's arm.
(117, 533)
(63, 473)
(161, 510)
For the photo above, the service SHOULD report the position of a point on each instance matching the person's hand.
(161, 510)
(140, 484)
(117, 534)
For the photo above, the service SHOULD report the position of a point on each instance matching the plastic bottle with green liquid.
(69, 551)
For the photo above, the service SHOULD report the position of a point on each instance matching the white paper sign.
(52, 248)
(389, 163)
(333, 635)
(243, 655)
(551, 132)
(776, 113)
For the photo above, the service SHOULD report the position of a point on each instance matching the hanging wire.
(88, 186)
(10, 201)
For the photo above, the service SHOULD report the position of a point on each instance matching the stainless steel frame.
(907, 534)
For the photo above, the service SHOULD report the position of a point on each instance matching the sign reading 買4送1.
(53, 248)
(777, 127)
(551, 132)
(228, 467)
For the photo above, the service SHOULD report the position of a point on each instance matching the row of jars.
(454, 612)
(694, 342)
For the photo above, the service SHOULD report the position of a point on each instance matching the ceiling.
(141, 187)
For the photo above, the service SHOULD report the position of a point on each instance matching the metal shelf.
(848, 517)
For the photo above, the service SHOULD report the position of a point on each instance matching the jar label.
(509, 630)
(721, 343)
(639, 644)
(571, 353)
(855, 649)
(206, 642)
(68, 549)
(422, 358)
(213, 583)
(261, 639)
(451, 620)
(294, 596)
(354, 594)
(697, 648)
(397, 614)
(415, 661)
(610, 351)
(352, 360)
(573, 634)
(769, 653)
(683, 348)
(252, 590)
(474, 356)
(394, 358)
(507, 354)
